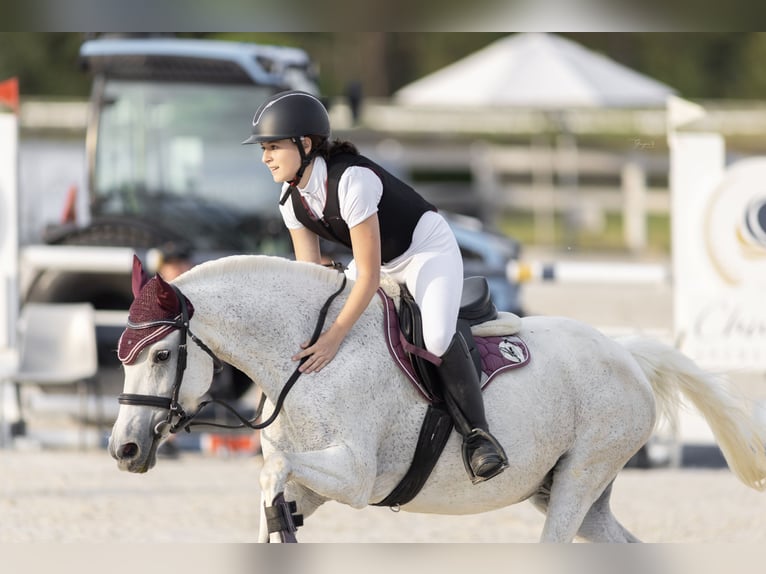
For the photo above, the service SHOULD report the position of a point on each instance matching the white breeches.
(432, 269)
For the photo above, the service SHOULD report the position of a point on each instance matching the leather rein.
(185, 420)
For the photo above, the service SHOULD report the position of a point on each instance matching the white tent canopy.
(535, 70)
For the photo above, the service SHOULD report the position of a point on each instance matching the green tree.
(750, 80)
(46, 63)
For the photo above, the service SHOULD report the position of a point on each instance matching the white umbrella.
(535, 70)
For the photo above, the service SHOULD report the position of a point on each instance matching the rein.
(174, 408)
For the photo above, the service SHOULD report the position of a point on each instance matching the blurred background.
(361, 76)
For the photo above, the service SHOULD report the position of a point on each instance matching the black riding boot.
(482, 454)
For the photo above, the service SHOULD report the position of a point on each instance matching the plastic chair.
(57, 346)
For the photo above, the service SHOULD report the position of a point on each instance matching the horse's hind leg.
(600, 525)
(574, 488)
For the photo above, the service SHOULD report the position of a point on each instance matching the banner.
(719, 253)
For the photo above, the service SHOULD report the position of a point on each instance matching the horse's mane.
(244, 265)
(251, 264)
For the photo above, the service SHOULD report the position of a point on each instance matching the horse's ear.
(139, 277)
(166, 295)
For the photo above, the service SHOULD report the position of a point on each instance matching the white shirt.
(359, 192)
(431, 266)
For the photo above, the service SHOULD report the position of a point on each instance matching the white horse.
(569, 420)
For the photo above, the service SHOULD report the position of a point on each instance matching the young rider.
(329, 190)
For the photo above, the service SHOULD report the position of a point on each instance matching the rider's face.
(282, 158)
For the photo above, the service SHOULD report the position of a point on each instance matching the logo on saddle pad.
(513, 350)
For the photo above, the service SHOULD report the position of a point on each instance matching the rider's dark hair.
(326, 148)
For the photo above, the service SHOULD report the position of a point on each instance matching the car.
(486, 252)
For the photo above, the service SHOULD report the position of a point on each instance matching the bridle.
(184, 420)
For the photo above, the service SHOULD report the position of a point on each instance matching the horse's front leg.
(273, 478)
(263, 529)
(334, 473)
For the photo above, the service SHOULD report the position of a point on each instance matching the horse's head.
(164, 377)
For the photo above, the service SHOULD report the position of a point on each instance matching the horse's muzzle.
(129, 456)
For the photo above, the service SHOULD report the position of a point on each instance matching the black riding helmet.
(291, 115)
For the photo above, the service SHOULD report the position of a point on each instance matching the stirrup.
(475, 434)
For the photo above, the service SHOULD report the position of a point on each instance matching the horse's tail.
(672, 373)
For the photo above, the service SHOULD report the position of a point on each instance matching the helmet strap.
(305, 162)
(287, 193)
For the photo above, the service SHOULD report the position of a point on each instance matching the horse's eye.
(161, 356)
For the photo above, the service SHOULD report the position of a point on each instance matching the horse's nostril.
(128, 450)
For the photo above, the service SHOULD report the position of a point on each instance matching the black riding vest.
(399, 209)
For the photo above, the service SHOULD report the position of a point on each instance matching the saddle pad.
(498, 353)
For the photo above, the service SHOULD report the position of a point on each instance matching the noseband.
(173, 406)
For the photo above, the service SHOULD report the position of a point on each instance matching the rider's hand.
(320, 353)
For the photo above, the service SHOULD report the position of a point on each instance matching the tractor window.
(172, 151)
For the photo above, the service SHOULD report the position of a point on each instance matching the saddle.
(476, 307)
(491, 355)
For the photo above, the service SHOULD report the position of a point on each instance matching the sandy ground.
(70, 496)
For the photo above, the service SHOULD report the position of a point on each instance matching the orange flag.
(9, 94)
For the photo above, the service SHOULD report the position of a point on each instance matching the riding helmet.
(289, 115)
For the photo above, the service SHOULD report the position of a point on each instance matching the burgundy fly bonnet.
(155, 303)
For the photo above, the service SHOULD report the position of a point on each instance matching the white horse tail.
(672, 373)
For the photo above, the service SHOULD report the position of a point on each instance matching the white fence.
(540, 179)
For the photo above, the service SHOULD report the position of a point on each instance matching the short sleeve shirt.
(359, 193)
